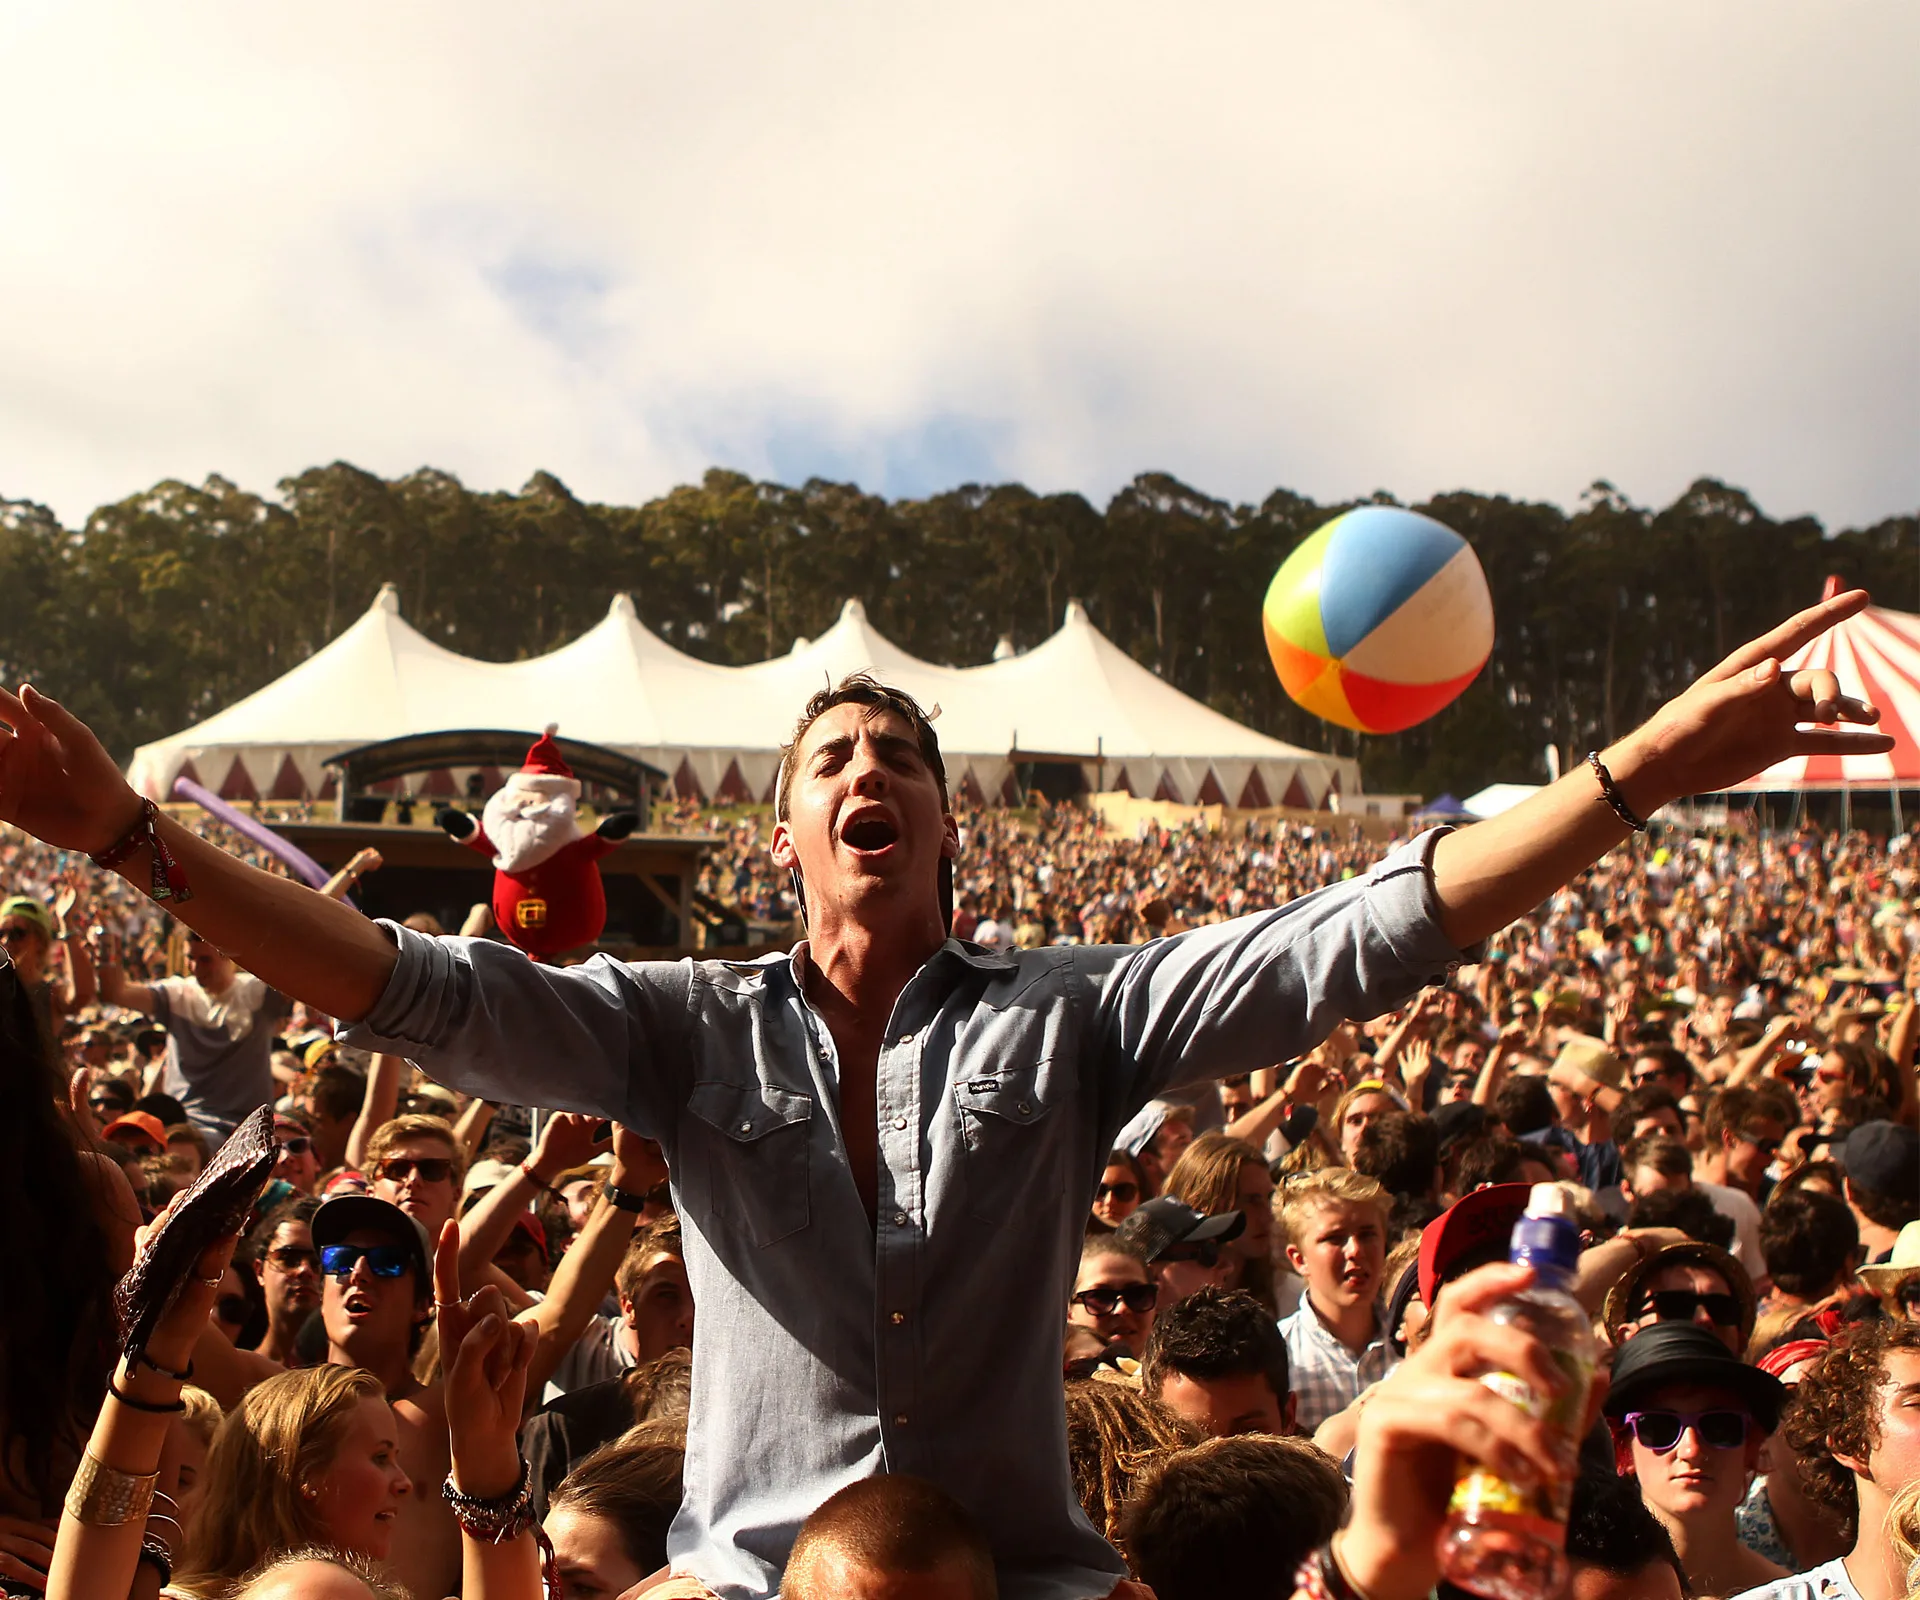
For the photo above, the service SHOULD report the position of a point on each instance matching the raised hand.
(567, 1140)
(57, 782)
(1746, 713)
(486, 1378)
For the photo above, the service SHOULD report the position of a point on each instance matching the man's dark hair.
(1836, 1408)
(1232, 1517)
(1666, 1156)
(1671, 1060)
(1216, 1333)
(1524, 1105)
(1741, 1111)
(1689, 1210)
(337, 1092)
(163, 1106)
(120, 1091)
(299, 1209)
(1402, 1150)
(1807, 1239)
(1638, 1103)
(1610, 1527)
(861, 689)
(894, 1524)
(1492, 1159)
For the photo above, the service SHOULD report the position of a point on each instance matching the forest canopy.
(168, 605)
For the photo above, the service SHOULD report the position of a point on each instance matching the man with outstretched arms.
(884, 1142)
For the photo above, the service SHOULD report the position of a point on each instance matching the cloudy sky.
(1335, 246)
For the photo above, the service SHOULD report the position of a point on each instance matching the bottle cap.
(1547, 1238)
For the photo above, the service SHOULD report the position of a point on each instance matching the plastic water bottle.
(1504, 1539)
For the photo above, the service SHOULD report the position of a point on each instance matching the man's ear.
(780, 847)
(1853, 1464)
(1297, 1260)
(1290, 1414)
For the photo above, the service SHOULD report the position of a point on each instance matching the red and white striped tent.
(1875, 655)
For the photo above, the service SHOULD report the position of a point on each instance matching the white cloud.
(1503, 246)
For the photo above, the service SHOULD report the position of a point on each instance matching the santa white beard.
(526, 827)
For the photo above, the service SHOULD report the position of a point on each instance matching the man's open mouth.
(870, 833)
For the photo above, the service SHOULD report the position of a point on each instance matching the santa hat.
(545, 770)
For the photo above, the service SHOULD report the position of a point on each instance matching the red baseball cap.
(1472, 1231)
(138, 1127)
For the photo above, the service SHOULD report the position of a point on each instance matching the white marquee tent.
(718, 730)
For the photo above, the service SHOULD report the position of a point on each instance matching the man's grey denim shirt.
(827, 1348)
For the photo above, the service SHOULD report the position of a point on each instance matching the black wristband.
(1610, 792)
(625, 1199)
(149, 1406)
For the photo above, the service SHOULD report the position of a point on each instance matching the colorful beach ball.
(1379, 619)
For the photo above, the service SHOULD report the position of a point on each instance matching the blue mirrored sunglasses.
(383, 1260)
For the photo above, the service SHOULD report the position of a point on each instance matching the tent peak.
(1076, 616)
(853, 611)
(1004, 650)
(388, 600)
(622, 607)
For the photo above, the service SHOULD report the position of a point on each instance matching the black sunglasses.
(1908, 1297)
(383, 1260)
(298, 1145)
(432, 1169)
(1117, 1191)
(1137, 1297)
(1681, 1305)
(290, 1257)
(1660, 1431)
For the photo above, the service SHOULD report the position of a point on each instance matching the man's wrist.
(132, 810)
(1639, 773)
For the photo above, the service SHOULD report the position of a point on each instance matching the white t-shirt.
(1828, 1581)
(1738, 1204)
(597, 1355)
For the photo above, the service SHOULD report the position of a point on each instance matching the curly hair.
(1217, 1333)
(1835, 1410)
(1115, 1434)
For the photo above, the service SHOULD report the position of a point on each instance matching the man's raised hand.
(1747, 713)
(57, 782)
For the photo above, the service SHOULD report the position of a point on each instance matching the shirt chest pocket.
(1011, 1132)
(744, 1158)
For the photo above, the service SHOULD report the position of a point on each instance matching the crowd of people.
(450, 1352)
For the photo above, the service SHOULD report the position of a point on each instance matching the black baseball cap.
(348, 1213)
(1883, 1157)
(1164, 1224)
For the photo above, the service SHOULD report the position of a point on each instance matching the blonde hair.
(1903, 1533)
(1305, 1197)
(282, 1435)
(379, 1585)
(203, 1414)
(416, 1126)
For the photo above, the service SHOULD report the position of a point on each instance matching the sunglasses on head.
(298, 1145)
(1117, 1191)
(1136, 1297)
(432, 1169)
(1681, 1305)
(1660, 1431)
(290, 1258)
(383, 1260)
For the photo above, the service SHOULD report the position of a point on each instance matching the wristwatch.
(625, 1199)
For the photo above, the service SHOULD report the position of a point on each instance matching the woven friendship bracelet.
(169, 877)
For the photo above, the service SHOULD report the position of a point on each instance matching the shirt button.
(899, 1317)
(1026, 1108)
(900, 1219)
(900, 1122)
(905, 1038)
(899, 1419)
(746, 1127)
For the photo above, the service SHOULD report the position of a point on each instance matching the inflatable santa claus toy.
(547, 895)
